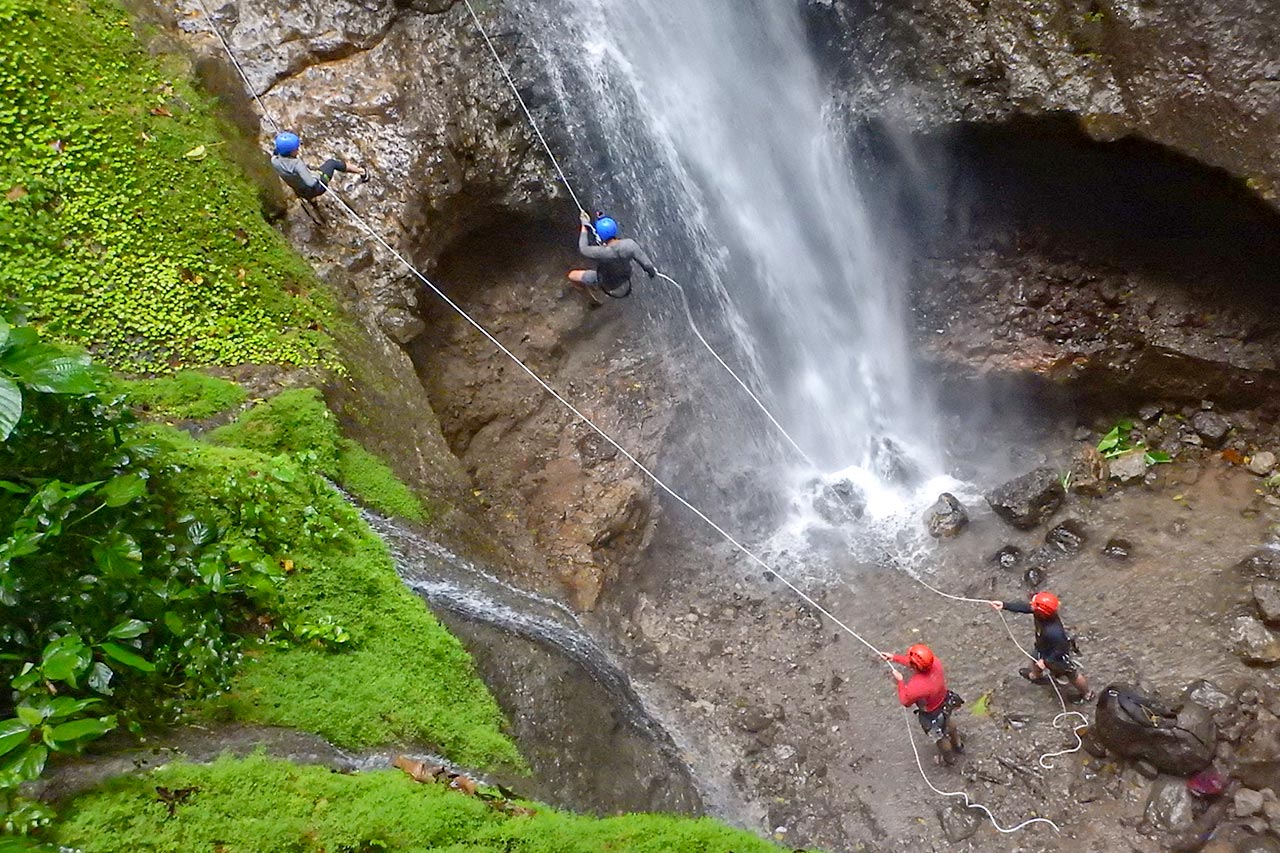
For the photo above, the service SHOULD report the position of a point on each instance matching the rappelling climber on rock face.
(295, 173)
(613, 257)
(1053, 646)
(927, 690)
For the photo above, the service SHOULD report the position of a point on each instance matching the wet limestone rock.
(1169, 806)
(1068, 537)
(1266, 594)
(1254, 641)
(1117, 548)
(840, 503)
(1262, 463)
(1131, 466)
(1258, 757)
(1090, 472)
(1026, 501)
(1211, 427)
(947, 517)
(1180, 742)
(958, 822)
(1200, 78)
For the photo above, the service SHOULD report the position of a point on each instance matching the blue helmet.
(606, 228)
(287, 143)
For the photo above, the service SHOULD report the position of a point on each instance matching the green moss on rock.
(259, 805)
(123, 224)
(298, 423)
(187, 395)
(401, 678)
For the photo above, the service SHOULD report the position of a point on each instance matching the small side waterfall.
(593, 741)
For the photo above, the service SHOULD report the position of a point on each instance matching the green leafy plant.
(28, 363)
(1119, 441)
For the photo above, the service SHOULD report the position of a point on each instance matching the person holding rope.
(613, 257)
(1054, 647)
(927, 690)
(295, 173)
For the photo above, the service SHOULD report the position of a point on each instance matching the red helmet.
(920, 657)
(1044, 605)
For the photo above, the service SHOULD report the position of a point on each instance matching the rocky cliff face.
(1201, 78)
(408, 89)
(1088, 188)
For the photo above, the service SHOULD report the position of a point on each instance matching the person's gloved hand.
(653, 273)
(585, 218)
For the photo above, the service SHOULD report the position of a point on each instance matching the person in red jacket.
(927, 690)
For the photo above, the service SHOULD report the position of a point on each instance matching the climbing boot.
(1028, 673)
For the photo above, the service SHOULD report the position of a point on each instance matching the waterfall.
(707, 128)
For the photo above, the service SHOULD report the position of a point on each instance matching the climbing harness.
(1058, 721)
(364, 226)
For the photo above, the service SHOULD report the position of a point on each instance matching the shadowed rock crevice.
(571, 508)
(1119, 269)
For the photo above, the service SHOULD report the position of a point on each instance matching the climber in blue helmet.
(613, 257)
(295, 173)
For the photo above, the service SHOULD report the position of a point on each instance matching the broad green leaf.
(26, 763)
(79, 731)
(13, 733)
(4, 334)
(13, 488)
(50, 369)
(197, 153)
(128, 657)
(29, 715)
(100, 678)
(1158, 457)
(129, 629)
(122, 490)
(10, 406)
(65, 658)
(119, 556)
(982, 705)
(66, 706)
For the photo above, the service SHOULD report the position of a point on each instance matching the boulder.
(1068, 537)
(1263, 563)
(1211, 427)
(1248, 802)
(1266, 594)
(1206, 694)
(1262, 463)
(1170, 807)
(958, 822)
(1007, 557)
(947, 517)
(1117, 548)
(840, 503)
(1254, 641)
(1130, 466)
(1137, 726)
(1089, 471)
(1026, 501)
(1258, 758)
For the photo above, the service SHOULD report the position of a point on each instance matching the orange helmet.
(920, 657)
(1044, 604)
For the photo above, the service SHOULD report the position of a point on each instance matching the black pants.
(327, 169)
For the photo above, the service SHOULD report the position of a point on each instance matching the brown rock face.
(1202, 78)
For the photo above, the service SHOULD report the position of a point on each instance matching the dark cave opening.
(1041, 183)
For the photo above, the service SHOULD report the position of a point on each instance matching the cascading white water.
(708, 122)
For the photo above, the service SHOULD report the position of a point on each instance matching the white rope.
(1060, 719)
(692, 325)
(528, 114)
(248, 85)
(661, 484)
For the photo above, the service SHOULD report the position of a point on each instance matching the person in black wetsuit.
(1054, 647)
(613, 259)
